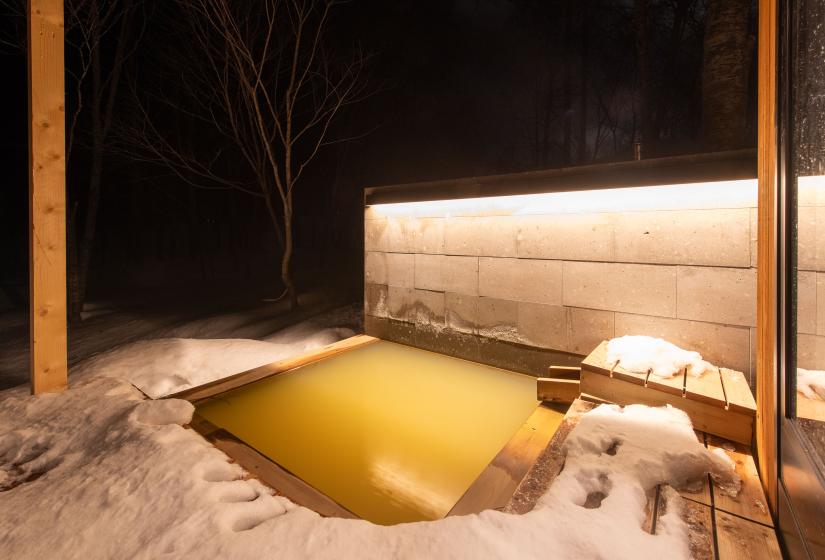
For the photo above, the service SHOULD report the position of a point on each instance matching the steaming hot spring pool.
(388, 432)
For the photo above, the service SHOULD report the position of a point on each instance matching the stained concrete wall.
(553, 285)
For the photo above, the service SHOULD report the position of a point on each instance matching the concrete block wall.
(811, 274)
(563, 282)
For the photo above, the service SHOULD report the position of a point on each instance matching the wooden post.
(766, 285)
(47, 197)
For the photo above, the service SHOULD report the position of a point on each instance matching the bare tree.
(260, 78)
(727, 51)
(89, 23)
(91, 27)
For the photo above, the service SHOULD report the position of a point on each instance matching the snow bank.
(98, 472)
(811, 383)
(168, 365)
(644, 353)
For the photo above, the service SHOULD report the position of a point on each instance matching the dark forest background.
(456, 88)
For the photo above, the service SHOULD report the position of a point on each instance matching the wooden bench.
(718, 402)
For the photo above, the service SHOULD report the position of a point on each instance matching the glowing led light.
(717, 194)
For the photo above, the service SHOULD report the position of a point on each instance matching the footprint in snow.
(163, 412)
(24, 460)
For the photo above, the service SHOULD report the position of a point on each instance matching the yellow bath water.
(390, 432)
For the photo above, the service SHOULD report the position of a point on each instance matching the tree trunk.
(646, 136)
(286, 258)
(73, 273)
(725, 74)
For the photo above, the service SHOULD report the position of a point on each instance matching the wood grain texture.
(208, 390)
(766, 250)
(494, 487)
(750, 502)
(705, 417)
(548, 464)
(740, 539)
(697, 517)
(557, 390)
(674, 385)
(276, 477)
(706, 388)
(737, 391)
(47, 197)
(563, 372)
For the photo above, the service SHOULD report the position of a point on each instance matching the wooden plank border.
(496, 484)
(209, 390)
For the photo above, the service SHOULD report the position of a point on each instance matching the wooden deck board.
(750, 502)
(698, 517)
(740, 539)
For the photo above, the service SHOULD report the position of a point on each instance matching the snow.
(168, 365)
(662, 358)
(811, 383)
(100, 472)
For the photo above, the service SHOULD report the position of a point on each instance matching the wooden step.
(719, 402)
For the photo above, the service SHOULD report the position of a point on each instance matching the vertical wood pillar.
(766, 291)
(47, 197)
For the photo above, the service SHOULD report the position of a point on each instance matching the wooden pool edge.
(494, 488)
(213, 388)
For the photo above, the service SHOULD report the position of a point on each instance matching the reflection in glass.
(807, 209)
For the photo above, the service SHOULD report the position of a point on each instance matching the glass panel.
(806, 207)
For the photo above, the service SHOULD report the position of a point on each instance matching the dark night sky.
(465, 85)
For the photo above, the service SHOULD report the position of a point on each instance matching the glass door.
(801, 255)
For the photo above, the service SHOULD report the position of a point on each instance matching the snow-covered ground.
(101, 472)
(109, 325)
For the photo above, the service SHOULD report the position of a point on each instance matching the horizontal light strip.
(719, 194)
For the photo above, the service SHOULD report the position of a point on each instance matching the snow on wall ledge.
(564, 271)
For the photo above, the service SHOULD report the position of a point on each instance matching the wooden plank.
(737, 391)
(649, 524)
(549, 463)
(766, 287)
(698, 518)
(699, 491)
(741, 539)
(750, 502)
(706, 388)
(47, 198)
(596, 362)
(250, 376)
(276, 477)
(557, 390)
(201, 425)
(674, 385)
(707, 418)
(564, 372)
(494, 487)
